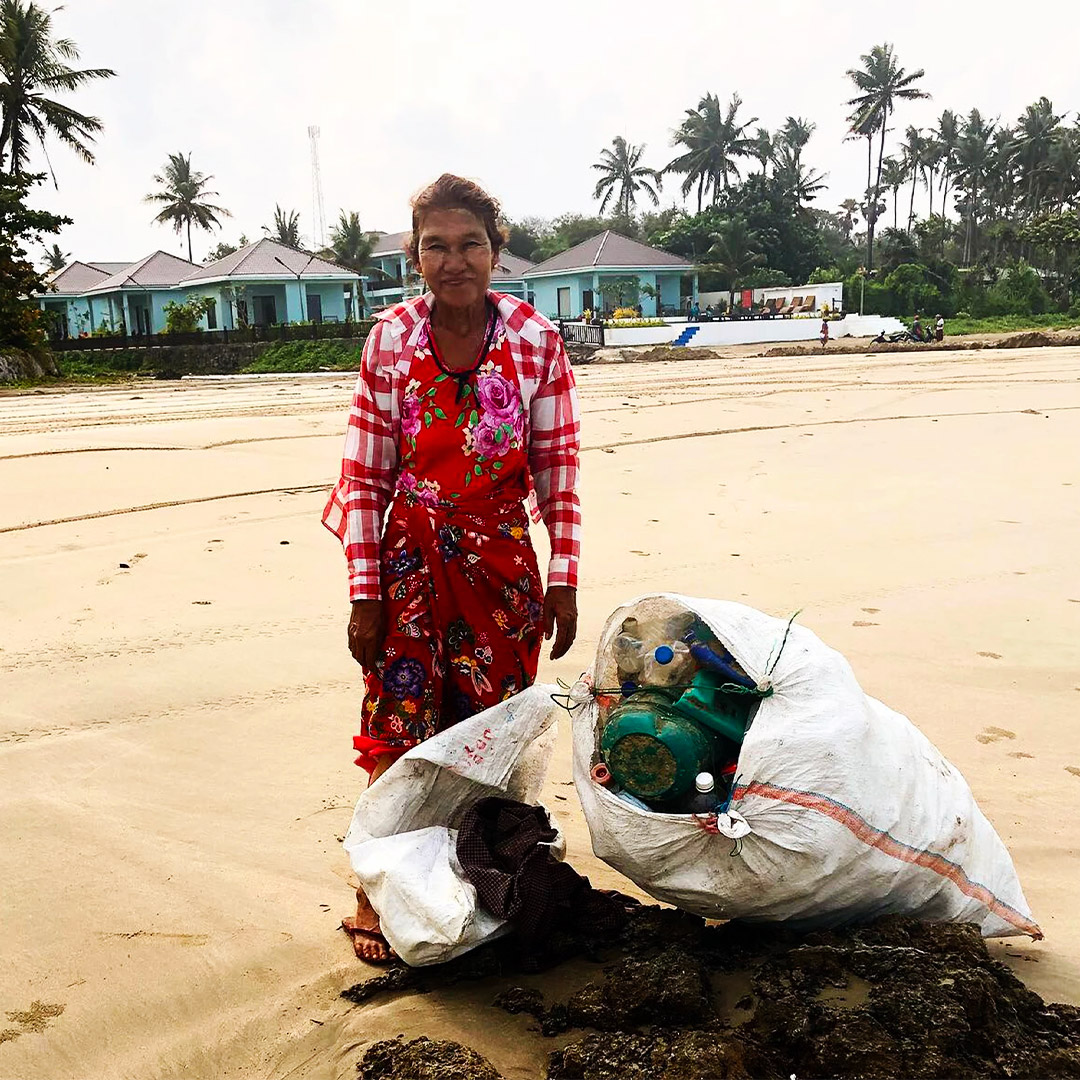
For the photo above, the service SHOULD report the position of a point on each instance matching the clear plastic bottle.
(704, 799)
(629, 653)
(668, 664)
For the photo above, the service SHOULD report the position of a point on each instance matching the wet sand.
(175, 755)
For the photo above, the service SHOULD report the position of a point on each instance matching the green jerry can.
(726, 714)
(653, 752)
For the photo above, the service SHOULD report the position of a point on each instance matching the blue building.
(574, 281)
(264, 283)
(398, 280)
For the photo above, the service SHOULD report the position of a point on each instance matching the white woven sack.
(403, 836)
(850, 812)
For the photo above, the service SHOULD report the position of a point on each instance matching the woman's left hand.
(560, 609)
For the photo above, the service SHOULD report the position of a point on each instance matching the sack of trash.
(402, 841)
(729, 763)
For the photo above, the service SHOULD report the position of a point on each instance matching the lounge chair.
(809, 305)
(796, 303)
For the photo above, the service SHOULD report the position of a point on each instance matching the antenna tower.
(318, 212)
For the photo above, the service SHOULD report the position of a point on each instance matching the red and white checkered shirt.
(369, 468)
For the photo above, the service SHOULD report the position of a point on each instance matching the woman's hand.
(560, 608)
(366, 632)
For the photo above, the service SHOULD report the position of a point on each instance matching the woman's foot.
(366, 933)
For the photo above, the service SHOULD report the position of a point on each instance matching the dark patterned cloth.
(502, 849)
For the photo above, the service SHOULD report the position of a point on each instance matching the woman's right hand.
(366, 630)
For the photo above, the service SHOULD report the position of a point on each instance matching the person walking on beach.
(824, 332)
(465, 406)
(939, 329)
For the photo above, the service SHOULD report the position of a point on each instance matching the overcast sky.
(521, 97)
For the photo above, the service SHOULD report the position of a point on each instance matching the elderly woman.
(464, 408)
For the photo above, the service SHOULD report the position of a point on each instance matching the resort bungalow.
(262, 284)
(267, 283)
(395, 279)
(605, 271)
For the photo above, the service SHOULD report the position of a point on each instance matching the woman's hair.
(452, 192)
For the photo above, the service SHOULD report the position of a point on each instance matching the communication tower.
(318, 212)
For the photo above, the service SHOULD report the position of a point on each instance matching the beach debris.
(424, 1059)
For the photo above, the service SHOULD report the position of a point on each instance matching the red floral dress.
(461, 589)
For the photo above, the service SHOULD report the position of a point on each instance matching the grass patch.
(108, 363)
(291, 356)
(999, 324)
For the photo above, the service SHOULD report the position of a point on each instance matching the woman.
(465, 406)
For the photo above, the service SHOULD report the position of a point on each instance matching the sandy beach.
(178, 701)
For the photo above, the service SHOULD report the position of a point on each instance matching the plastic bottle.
(719, 661)
(704, 799)
(629, 653)
(668, 664)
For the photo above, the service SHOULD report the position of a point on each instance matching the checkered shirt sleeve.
(355, 510)
(554, 442)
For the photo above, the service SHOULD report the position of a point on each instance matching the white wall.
(752, 331)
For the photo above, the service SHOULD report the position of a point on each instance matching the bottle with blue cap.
(668, 664)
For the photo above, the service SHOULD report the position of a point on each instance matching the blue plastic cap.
(628, 688)
(664, 654)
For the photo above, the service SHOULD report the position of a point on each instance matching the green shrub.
(334, 354)
(184, 318)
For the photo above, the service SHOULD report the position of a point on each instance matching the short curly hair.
(452, 192)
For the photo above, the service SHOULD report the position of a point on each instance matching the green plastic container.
(726, 714)
(652, 751)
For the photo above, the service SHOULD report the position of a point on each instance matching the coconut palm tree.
(33, 67)
(734, 252)
(624, 172)
(286, 228)
(893, 176)
(183, 198)
(1036, 132)
(974, 159)
(882, 83)
(914, 159)
(763, 148)
(846, 220)
(795, 134)
(948, 137)
(799, 183)
(55, 259)
(350, 243)
(713, 139)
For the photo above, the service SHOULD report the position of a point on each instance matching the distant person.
(939, 329)
(709, 312)
(916, 328)
(689, 310)
(824, 332)
(695, 311)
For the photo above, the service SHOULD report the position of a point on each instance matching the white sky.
(521, 97)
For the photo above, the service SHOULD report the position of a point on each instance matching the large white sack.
(852, 812)
(403, 836)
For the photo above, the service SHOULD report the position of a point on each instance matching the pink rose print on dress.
(410, 416)
(485, 438)
(499, 397)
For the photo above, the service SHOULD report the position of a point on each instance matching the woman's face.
(455, 257)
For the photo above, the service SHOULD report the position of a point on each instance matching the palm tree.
(713, 140)
(948, 137)
(763, 148)
(623, 171)
(734, 253)
(974, 157)
(846, 220)
(33, 67)
(350, 244)
(800, 184)
(914, 158)
(55, 259)
(893, 176)
(1036, 132)
(184, 198)
(286, 228)
(882, 83)
(795, 134)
